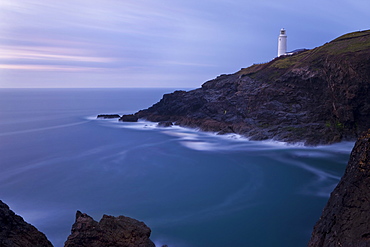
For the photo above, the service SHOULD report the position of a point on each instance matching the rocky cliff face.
(109, 231)
(15, 232)
(317, 96)
(345, 220)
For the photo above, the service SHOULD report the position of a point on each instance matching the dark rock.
(165, 124)
(15, 232)
(317, 96)
(108, 116)
(109, 231)
(129, 118)
(345, 220)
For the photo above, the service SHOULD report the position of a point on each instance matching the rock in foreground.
(14, 231)
(345, 220)
(110, 231)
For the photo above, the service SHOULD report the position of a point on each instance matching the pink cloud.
(50, 53)
(46, 67)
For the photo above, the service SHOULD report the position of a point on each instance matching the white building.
(282, 43)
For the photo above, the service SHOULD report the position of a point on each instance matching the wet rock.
(108, 116)
(110, 231)
(165, 124)
(15, 232)
(129, 118)
(345, 220)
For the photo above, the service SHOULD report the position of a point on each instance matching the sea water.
(190, 187)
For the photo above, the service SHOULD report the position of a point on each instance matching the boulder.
(165, 124)
(110, 231)
(108, 116)
(129, 118)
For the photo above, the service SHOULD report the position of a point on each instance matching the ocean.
(192, 188)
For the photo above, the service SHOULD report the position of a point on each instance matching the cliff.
(15, 232)
(345, 220)
(317, 96)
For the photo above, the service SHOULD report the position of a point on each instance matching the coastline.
(310, 96)
(145, 125)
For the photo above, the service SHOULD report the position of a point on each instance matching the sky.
(157, 43)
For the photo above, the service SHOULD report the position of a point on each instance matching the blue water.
(191, 188)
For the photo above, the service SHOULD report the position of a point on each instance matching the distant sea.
(193, 189)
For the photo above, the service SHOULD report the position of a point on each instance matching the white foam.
(182, 135)
(207, 141)
(272, 142)
(342, 147)
(140, 125)
(199, 145)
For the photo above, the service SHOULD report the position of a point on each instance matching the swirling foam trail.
(41, 129)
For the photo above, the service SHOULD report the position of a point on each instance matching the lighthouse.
(282, 43)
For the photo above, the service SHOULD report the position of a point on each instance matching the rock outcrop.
(165, 124)
(129, 118)
(15, 232)
(317, 96)
(108, 116)
(110, 231)
(345, 220)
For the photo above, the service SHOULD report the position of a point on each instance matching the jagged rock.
(15, 232)
(345, 220)
(165, 124)
(110, 231)
(129, 118)
(317, 96)
(108, 116)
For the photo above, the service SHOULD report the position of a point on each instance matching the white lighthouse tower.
(282, 43)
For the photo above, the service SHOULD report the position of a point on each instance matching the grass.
(352, 35)
(345, 44)
(353, 42)
(252, 69)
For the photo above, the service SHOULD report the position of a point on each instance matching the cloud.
(34, 67)
(49, 54)
(147, 39)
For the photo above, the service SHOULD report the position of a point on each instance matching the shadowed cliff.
(345, 220)
(317, 96)
(14, 231)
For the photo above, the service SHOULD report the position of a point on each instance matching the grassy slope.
(349, 43)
